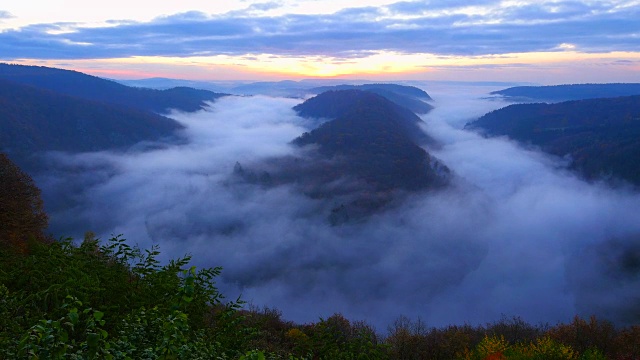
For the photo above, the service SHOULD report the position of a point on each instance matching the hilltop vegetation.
(111, 300)
(601, 137)
(377, 138)
(557, 93)
(48, 109)
(77, 84)
(33, 120)
(333, 104)
(409, 97)
(364, 158)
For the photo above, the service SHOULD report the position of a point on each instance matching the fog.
(516, 234)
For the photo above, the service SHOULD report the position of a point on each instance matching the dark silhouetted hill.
(33, 120)
(409, 97)
(601, 136)
(22, 214)
(337, 103)
(166, 83)
(558, 93)
(89, 87)
(376, 135)
(364, 159)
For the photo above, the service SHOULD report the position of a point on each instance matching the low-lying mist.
(515, 234)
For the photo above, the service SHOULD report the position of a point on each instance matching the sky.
(538, 41)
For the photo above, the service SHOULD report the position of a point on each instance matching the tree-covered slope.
(33, 120)
(89, 87)
(601, 136)
(333, 104)
(377, 136)
(557, 93)
(363, 159)
(22, 212)
(409, 97)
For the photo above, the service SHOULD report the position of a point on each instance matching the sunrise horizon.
(543, 42)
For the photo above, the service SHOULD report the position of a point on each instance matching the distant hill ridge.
(333, 104)
(601, 136)
(557, 93)
(33, 120)
(396, 88)
(409, 97)
(90, 87)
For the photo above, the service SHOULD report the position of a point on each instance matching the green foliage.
(586, 335)
(496, 347)
(253, 355)
(513, 339)
(409, 339)
(79, 334)
(337, 338)
(150, 334)
(111, 301)
(116, 301)
(231, 330)
(492, 347)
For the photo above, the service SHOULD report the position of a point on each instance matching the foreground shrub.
(497, 348)
(584, 335)
(111, 301)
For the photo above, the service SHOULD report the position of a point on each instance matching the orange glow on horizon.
(389, 65)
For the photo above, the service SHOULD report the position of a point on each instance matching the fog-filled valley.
(320, 180)
(515, 232)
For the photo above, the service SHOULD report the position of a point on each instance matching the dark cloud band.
(404, 27)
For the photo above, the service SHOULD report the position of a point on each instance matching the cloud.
(516, 234)
(266, 6)
(625, 62)
(489, 27)
(5, 15)
(550, 12)
(420, 7)
(189, 16)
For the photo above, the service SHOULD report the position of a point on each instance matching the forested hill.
(363, 160)
(602, 136)
(337, 103)
(559, 93)
(376, 135)
(89, 87)
(409, 97)
(33, 120)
